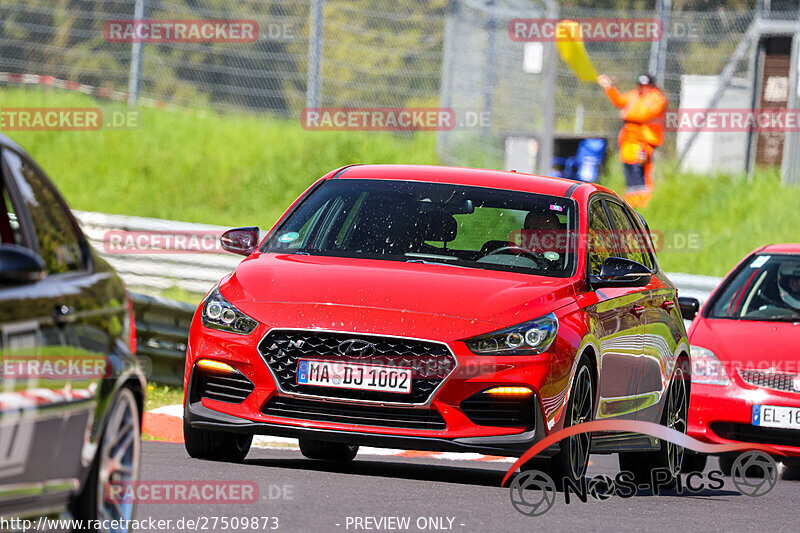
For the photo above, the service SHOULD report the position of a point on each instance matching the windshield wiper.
(432, 256)
(428, 262)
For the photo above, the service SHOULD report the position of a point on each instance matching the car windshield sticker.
(289, 237)
(759, 261)
(554, 207)
(552, 256)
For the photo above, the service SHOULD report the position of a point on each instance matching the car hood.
(750, 344)
(374, 295)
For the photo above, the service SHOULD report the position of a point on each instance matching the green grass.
(230, 169)
(729, 215)
(236, 169)
(161, 395)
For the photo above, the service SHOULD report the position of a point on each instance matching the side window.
(9, 224)
(601, 245)
(58, 243)
(628, 237)
(647, 246)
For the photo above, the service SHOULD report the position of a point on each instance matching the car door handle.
(668, 305)
(637, 310)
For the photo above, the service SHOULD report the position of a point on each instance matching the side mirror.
(689, 307)
(19, 265)
(243, 241)
(619, 272)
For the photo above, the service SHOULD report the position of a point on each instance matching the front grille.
(771, 380)
(431, 362)
(232, 388)
(490, 410)
(757, 434)
(362, 415)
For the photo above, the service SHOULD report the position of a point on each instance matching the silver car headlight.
(220, 314)
(529, 338)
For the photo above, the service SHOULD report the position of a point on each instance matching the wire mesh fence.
(693, 43)
(458, 54)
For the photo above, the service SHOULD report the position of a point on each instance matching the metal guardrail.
(162, 331)
(152, 273)
(693, 285)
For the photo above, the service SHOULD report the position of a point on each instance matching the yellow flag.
(570, 47)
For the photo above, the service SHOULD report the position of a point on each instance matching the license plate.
(775, 416)
(354, 376)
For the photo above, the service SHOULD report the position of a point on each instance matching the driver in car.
(789, 285)
(782, 298)
(543, 234)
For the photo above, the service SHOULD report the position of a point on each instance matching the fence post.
(658, 50)
(489, 63)
(314, 78)
(446, 78)
(135, 75)
(545, 154)
(749, 38)
(790, 166)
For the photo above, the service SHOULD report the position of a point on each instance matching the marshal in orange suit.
(643, 111)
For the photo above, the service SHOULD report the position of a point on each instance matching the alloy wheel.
(582, 405)
(119, 457)
(677, 414)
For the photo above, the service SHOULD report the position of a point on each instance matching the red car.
(746, 356)
(438, 308)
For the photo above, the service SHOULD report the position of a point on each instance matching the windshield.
(457, 225)
(766, 289)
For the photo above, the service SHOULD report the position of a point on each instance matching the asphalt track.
(441, 495)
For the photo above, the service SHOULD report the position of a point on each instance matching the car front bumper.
(199, 416)
(722, 415)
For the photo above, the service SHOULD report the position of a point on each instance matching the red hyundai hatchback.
(746, 356)
(438, 308)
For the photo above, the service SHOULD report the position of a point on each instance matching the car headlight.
(529, 338)
(218, 313)
(706, 367)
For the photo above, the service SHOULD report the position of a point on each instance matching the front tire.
(328, 451)
(792, 473)
(694, 462)
(116, 462)
(726, 463)
(572, 460)
(670, 456)
(216, 445)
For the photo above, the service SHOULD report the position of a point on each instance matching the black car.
(71, 389)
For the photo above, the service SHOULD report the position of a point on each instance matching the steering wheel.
(517, 250)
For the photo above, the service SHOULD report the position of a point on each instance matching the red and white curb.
(166, 424)
(91, 90)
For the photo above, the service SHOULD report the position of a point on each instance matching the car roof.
(787, 248)
(496, 179)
